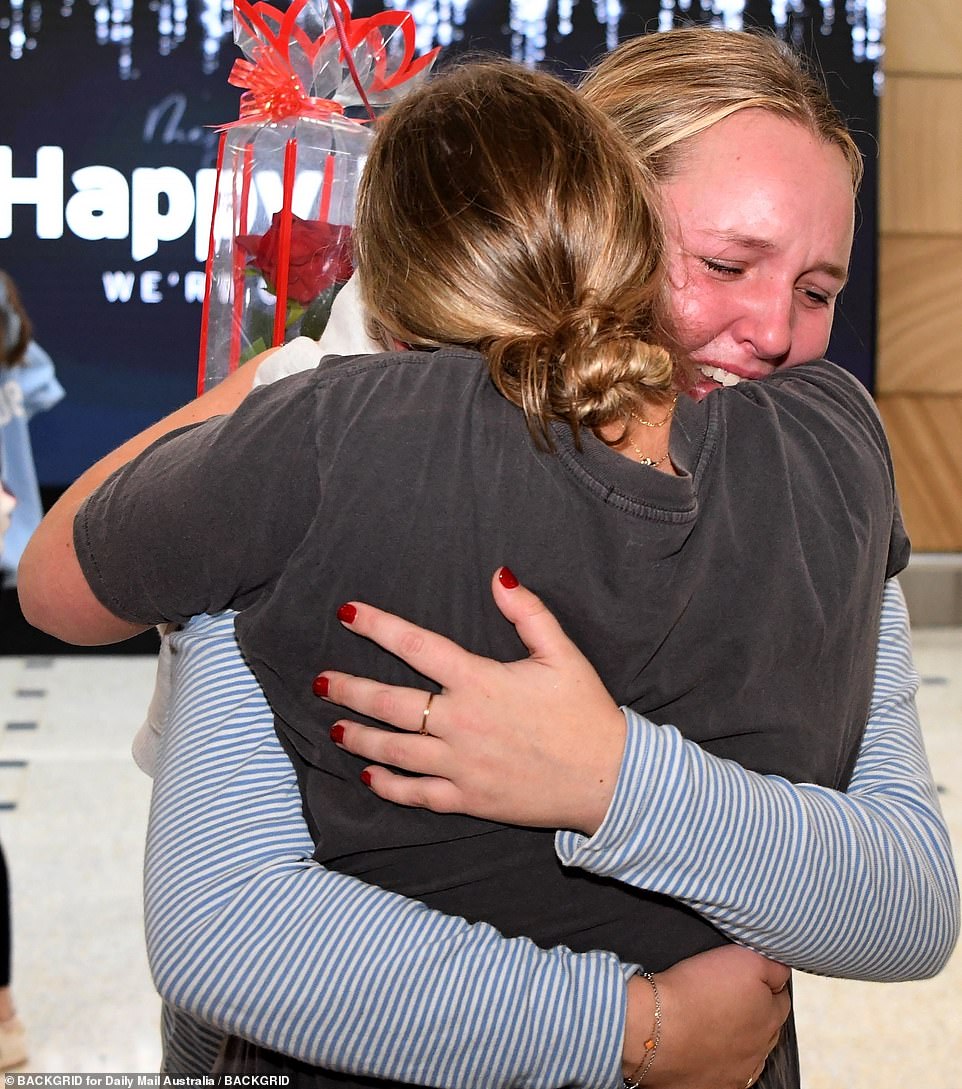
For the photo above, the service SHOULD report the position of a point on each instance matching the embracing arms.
(53, 593)
(223, 874)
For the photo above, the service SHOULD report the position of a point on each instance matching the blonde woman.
(553, 1051)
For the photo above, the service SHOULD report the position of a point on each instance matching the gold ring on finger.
(424, 715)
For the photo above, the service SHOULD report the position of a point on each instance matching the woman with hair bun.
(522, 250)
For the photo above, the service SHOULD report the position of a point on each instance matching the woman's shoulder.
(819, 391)
(398, 384)
(817, 381)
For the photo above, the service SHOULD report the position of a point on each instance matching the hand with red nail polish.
(536, 742)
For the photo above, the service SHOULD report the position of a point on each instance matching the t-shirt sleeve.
(900, 547)
(205, 518)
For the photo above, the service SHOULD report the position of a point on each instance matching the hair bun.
(589, 370)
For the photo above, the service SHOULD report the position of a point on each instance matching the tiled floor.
(885, 1036)
(72, 817)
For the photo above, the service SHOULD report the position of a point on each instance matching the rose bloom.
(320, 256)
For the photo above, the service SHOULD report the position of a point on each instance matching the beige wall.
(919, 372)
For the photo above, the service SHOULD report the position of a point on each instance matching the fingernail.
(507, 578)
(346, 613)
(366, 777)
(320, 685)
(337, 733)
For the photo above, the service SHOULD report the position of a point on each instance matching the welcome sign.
(107, 170)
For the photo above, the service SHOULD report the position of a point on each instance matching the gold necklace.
(657, 423)
(643, 458)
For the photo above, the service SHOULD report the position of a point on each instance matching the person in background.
(7, 503)
(13, 1035)
(27, 385)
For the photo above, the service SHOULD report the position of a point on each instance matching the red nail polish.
(337, 733)
(366, 777)
(507, 578)
(321, 686)
(346, 613)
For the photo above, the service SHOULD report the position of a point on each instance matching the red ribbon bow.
(273, 91)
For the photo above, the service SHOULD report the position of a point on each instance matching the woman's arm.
(45, 596)
(150, 544)
(859, 884)
(54, 597)
(246, 932)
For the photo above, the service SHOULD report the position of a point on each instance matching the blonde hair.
(500, 211)
(661, 89)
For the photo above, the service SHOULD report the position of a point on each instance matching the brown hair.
(661, 89)
(501, 211)
(16, 329)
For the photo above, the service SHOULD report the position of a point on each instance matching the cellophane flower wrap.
(288, 169)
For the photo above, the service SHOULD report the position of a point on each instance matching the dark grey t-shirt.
(738, 601)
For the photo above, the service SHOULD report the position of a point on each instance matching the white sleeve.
(345, 334)
(860, 884)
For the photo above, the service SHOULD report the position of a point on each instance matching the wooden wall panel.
(920, 315)
(919, 368)
(921, 156)
(926, 438)
(923, 37)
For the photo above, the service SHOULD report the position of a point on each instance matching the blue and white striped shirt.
(244, 931)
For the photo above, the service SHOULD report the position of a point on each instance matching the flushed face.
(759, 218)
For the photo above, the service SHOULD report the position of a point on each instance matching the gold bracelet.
(634, 1080)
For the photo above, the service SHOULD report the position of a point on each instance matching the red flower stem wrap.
(349, 56)
(239, 263)
(294, 259)
(327, 187)
(272, 89)
(284, 242)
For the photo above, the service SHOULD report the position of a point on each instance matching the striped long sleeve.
(859, 884)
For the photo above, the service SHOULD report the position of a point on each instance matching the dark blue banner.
(107, 156)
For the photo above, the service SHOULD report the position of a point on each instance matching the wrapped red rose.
(288, 169)
(318, 258)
